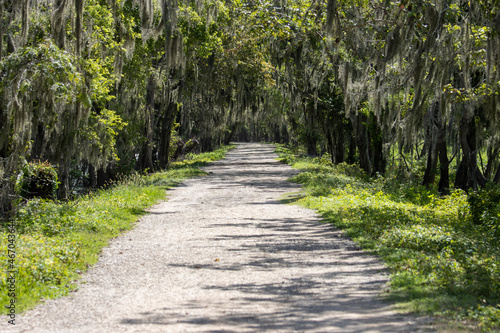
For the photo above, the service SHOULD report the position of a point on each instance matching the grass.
(441, 263)
(56, 242)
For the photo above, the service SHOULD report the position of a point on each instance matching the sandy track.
(223, 255)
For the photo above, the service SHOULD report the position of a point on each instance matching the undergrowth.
(441, 262)
(55, 242)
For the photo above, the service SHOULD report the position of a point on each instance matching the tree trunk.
(364, 154)
(362, 142)
(330, 146)
(351, 156)
(492, 156)
(92, 176)
(338, 138)
(166, 133)
(63, 175)
(430, 145)
(7, 15)
(444, 164)
(146, 155)
(79, 4)
(1, 29)
(377, 147)
(496, 180)
(310, 135)
(24, 21)
(468, 174)
(102, 177)
(59, 23)
(431, 166)
(230, 136)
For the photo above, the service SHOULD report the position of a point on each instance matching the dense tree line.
(101, 87)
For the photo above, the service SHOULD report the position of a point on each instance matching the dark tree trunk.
(92, 176)
(167, 124)
(1, 28)
(364, 154)
(351, 156)
(146, 154)
(468, 174)
(79, 4)
(310, 133)
(444, 164)
(431, 166)
(379, 162)
(362, 142)
(330, 146)
(38, 147)
(206, 144)
(102, 177)
(496, 180)
(338, 139)
(430, 145)
(311, 142)
(492, 157)
(377, 148)
(230, 136)
(340, 149)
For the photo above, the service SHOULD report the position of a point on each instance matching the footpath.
(223, 254)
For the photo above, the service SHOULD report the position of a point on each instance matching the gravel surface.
(224, 255)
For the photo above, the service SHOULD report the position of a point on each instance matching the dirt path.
(223, 255)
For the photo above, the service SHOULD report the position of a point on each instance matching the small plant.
(37, 180)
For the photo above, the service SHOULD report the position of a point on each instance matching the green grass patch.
(441, 262)
(56, 242)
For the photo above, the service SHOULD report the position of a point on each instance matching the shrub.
(37, 180)
(485, 209)
(431, 239)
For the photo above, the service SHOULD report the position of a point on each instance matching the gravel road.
(224, 255)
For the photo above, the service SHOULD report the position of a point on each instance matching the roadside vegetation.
(57, 241)
(442, 251)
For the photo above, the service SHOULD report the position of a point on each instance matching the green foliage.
(200, 30)
(485, 210)
(441, 261)
(44, 68)
(37, 179)
(44, 217)
(45, 265)
(100, 135)
(39, 82)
